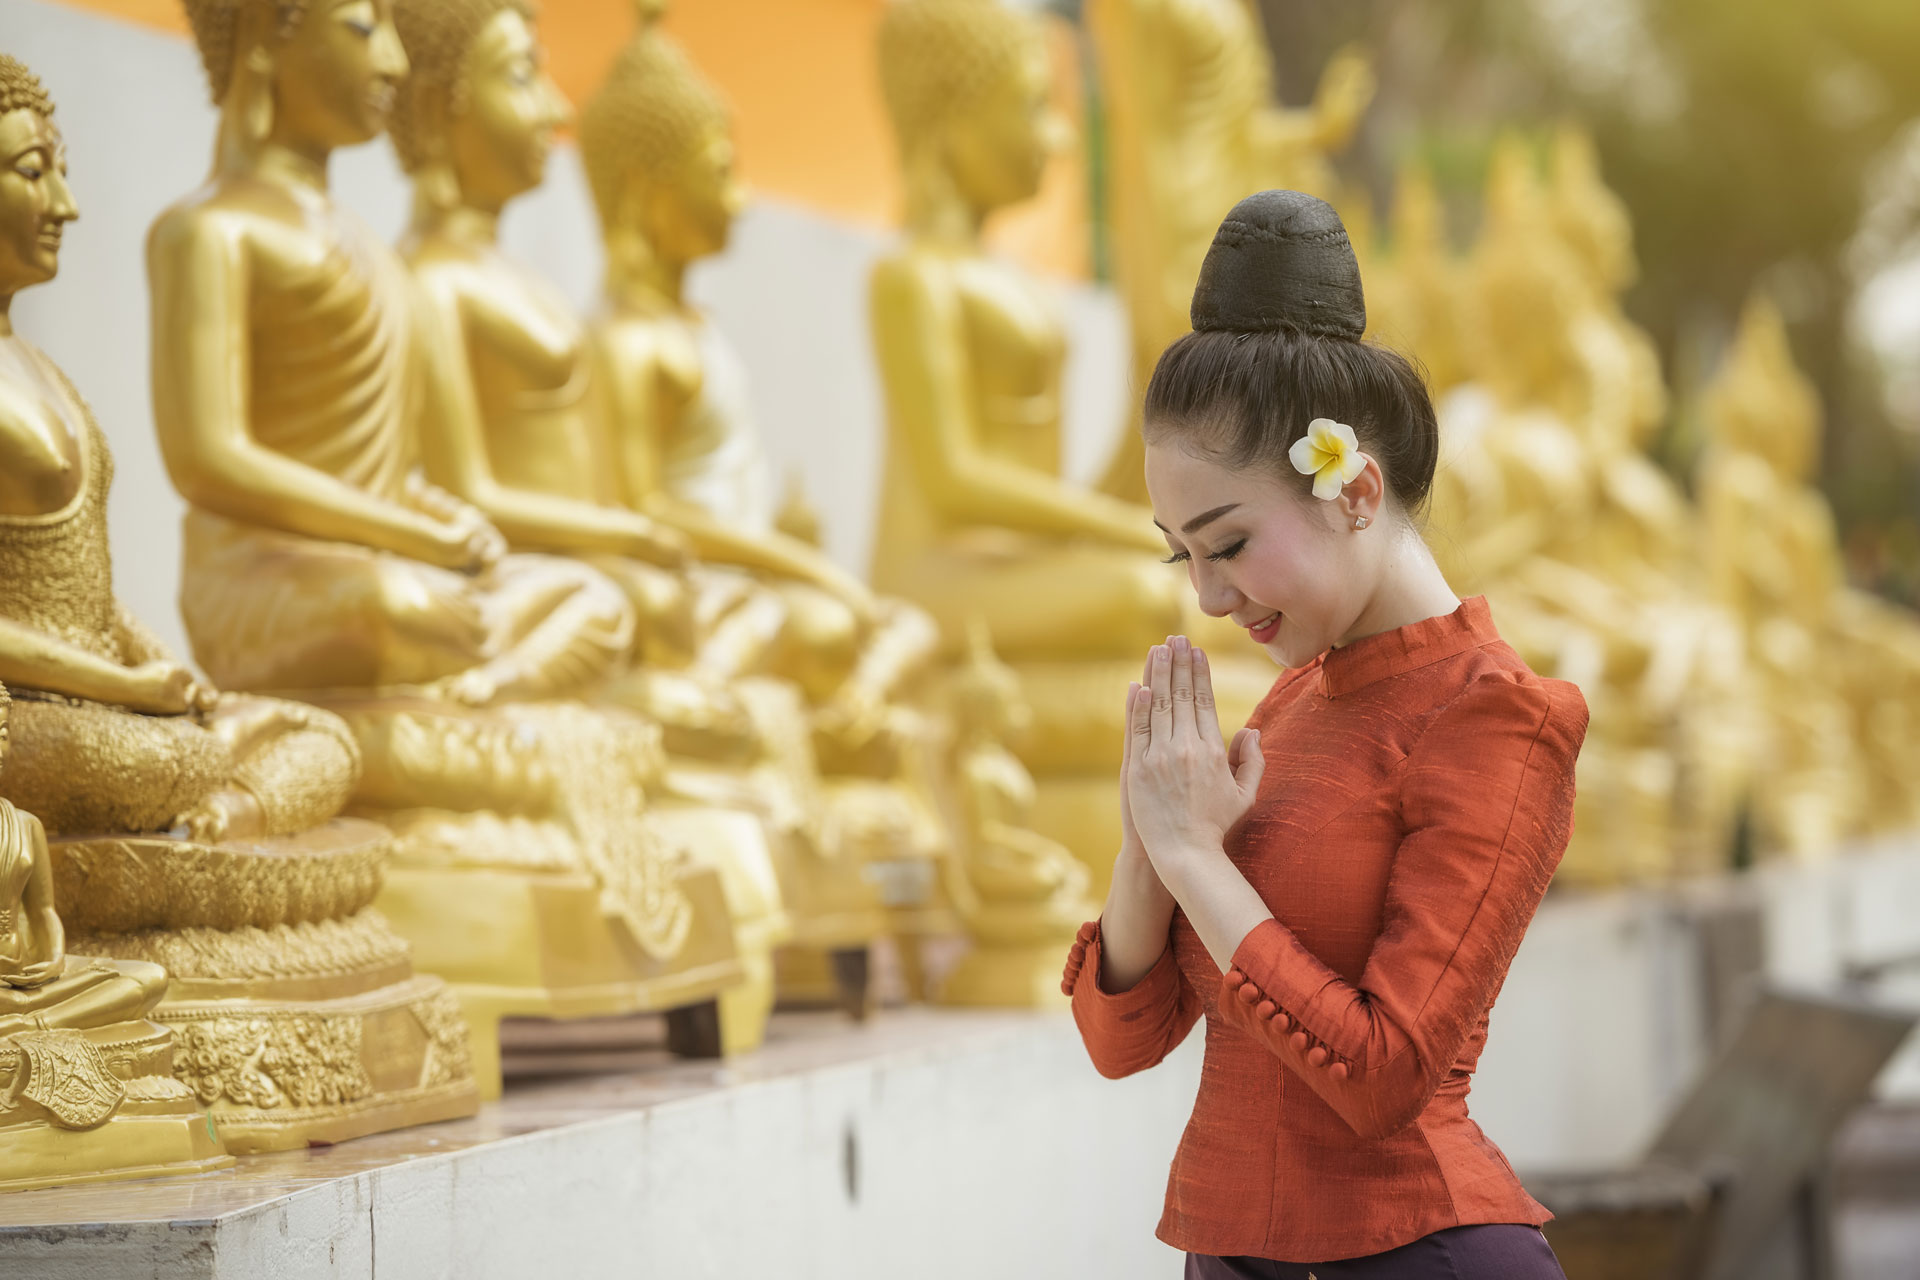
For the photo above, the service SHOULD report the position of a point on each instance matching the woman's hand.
(1183, 790)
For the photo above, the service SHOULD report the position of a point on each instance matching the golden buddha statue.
(1192, 126)
(1418, 298)
(88, 1089)
(1023, 895)
(657, 143)
(291, 367)
(515, 423)
(975, 520)
(190, 827)
(1774, 562)
(1549, 505)
(658, 148)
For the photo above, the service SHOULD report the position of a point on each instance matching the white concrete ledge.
(930, 1144)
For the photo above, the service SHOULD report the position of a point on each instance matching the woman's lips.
(1264, 631)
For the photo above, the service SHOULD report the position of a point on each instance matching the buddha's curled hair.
(216, 26)
(20, 89)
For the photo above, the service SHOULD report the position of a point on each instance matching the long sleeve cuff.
(1100, 1010)
(1272, 991)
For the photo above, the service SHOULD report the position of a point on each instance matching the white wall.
(790, 293)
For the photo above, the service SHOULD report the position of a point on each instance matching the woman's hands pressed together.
(1181, 792)
(1184, 791)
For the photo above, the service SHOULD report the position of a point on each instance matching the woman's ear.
(1362, 497)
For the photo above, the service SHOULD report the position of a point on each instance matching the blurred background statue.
(1024, 895)
(1549, 504)
(658, 145)
(164, 796)
(1192, 126)
(975, 520)
(1834, 666)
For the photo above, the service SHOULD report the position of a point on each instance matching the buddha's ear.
(253, 90)
(248, 100)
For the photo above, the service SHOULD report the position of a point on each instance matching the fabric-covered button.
(1338, 1071)
(1249, 993)
(1266, 1009)
(1235, 977)
(1317, 1055)
(1282, 1022)
(1299, 1040)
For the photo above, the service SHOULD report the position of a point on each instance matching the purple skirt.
(1501, 1251)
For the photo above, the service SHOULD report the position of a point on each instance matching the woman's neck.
(1411, 588)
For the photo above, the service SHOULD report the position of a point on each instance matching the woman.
(1363, 860)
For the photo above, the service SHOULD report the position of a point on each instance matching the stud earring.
(1359, 522)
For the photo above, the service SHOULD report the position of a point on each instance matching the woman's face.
(35, 204)
(1262, 551)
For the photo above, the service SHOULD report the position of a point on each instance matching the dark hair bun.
(1281, 260)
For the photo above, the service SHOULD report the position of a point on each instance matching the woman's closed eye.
(1230, 551)
(1224, 553)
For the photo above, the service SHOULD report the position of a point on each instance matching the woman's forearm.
(1222, 907)
(1134, 924)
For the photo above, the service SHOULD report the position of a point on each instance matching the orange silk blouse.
(1418, 795)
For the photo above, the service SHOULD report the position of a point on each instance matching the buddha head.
(1419, 221)
(35, 204)
(1528, 286)
(1760, 402)
(988, 704)
(1590, 217)
(657, 142)
(967, 88)
(312, 74)
(478, 114)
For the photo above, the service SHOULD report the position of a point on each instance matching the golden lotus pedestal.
(736, 847)
(1008, 977)
(534, 874)
(158, 1129)
(296, 1015)
(1017, 954)
(883, 879)
(521, 944)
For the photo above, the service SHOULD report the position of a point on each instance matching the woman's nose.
(1218, 597)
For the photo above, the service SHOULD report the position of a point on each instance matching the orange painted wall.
(801, 77)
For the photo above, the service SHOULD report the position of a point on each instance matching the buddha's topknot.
(20, 88)
(215, 26)
(649, 113)
(938, 58)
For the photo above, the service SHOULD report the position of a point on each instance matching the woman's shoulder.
(1496, 704)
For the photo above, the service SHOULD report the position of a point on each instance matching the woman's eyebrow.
(1207, 517)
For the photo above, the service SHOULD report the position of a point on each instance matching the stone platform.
(931, 1143)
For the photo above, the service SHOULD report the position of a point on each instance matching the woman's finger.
(1183, 723)
(1206, 716)
(1139, 723)
(1160, 717)
(1126, 749)
(1249, 762)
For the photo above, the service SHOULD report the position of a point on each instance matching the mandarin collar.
(1408, 648)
